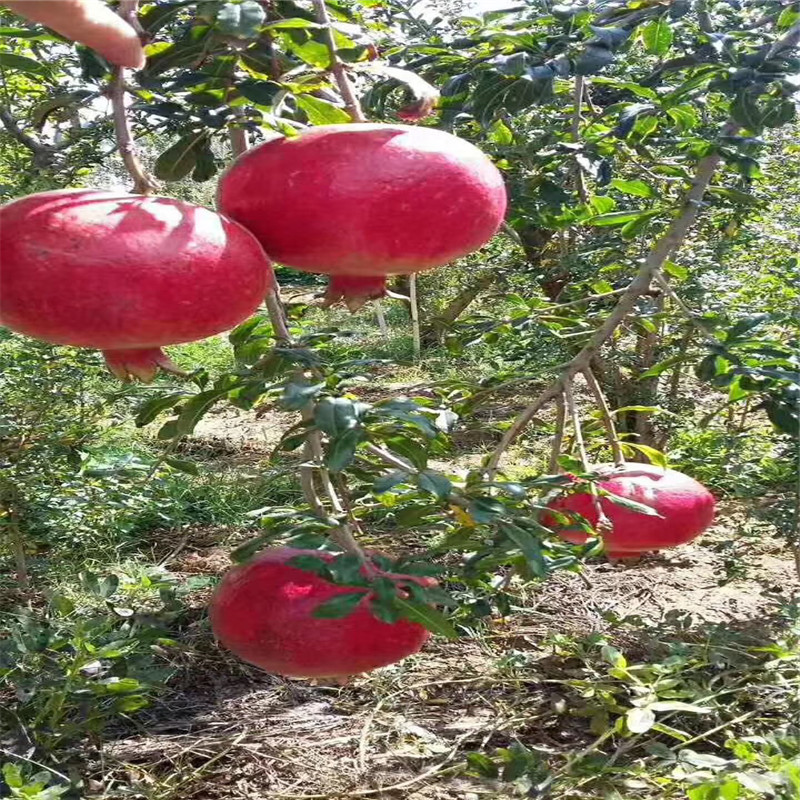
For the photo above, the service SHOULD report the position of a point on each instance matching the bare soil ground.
(226, 731)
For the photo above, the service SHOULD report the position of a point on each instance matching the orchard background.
(640, 302)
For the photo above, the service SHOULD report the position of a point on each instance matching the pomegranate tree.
(685, 509)
(125, 274)
(263, 611)
(360, 202)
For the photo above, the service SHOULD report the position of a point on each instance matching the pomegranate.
(360, 202)
(685, 508)
(125, 274)
(263, 611)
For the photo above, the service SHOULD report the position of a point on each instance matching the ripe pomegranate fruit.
(686, 509)
(263, 612)
(125, 274)
(360, 202)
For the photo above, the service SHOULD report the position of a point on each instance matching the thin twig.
(558, 439)
(696, 322)
(605, 415)
(412, 296)
(572, 410)
(576, 133)
(391, 458)
(338, 69)
(661, 250)
(277, 317)
(142, 182)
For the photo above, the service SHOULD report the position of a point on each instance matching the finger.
(90, 22)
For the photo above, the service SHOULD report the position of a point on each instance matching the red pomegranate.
(363, 201)
(125, 274)
(263, 612)
(685, 508)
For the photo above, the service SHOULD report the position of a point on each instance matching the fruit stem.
(338, 69)
(605, 415)
(142, 182)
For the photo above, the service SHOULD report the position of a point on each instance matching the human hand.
(90, 22)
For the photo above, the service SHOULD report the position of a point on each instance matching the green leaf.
(485, 509)
(389, 481)
(292, 22)
(93, 66)
(602, 204)
(205, 165)
(20, 33)
(656, 457)
(132, 703)
(788, 17)
(179, 159)
(636, 226)
(676, 705)
(121, 685)
(593, 59)
(321, 112)
(262, 93)
(529, 546)
(430, 617)
(342, 449)
(435, 483)
(338, 607)
(309, 51)
(685, 117)
(296, 394)
(640, 720)
(152, 408)
(482, 765)
(633, 505)
(408, 448)
(657, 37)
(241, 19)
(195, 409)
(707, 368)
(500, 133)
(24, 64)
(614, 218)
(64, 100)
(180, 54)
(182, 465)
(676, 270)
(636, 188)
(613, 657)
(313, 564)
(745, 110)
(334, 415)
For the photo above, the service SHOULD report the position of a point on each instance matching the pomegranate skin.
(366, 199)
(263, 612)
(685, 506)
(121, 272)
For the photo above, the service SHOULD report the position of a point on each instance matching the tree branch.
(12, 126)
(555, 448)
(338, 69)
(576, 135)
(572, 410)
(142, 182)
(605, 416)
(661, 250)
